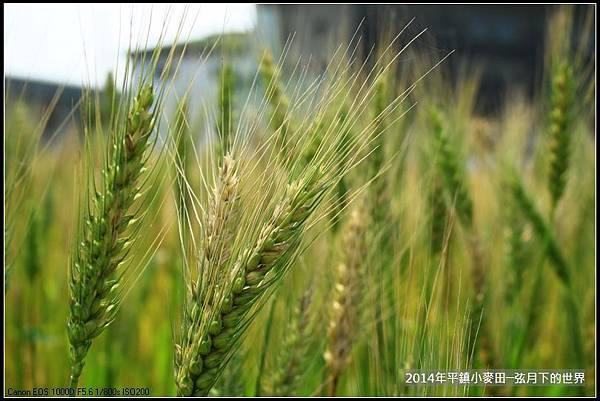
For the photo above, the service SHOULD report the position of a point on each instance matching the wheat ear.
(216, 235)
(95, 272)
(540, 227)
(221, 211)
(455, 181)
(515, 249)
(562, 99)
(557, 260)
(276, 97)
(452, 173)
(218, 320)
(293, 352)
(379, 204)
(343, 321)
(438, 217)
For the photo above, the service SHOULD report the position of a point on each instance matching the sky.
(80, 43)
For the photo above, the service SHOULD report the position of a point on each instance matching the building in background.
(57, 102)
(506, 40)
(196, 70)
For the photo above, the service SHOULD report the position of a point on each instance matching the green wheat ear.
(451, 170)
(315, 143)
(540, 227)
(455, 183)
(342, 187)
(378, 191)
(559, 140)
(438, 216)
(557, 260)
(516, 253)
(275, 95)
(293, 355)
(96, 270)
(33, 245)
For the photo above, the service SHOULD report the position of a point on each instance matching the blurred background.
(48, 47)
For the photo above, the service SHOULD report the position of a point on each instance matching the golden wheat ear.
(344, 313)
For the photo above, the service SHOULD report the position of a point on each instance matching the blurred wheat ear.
(275, 95)
(344, 315)
(555, 255)
(559, 136)
(292, 356)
